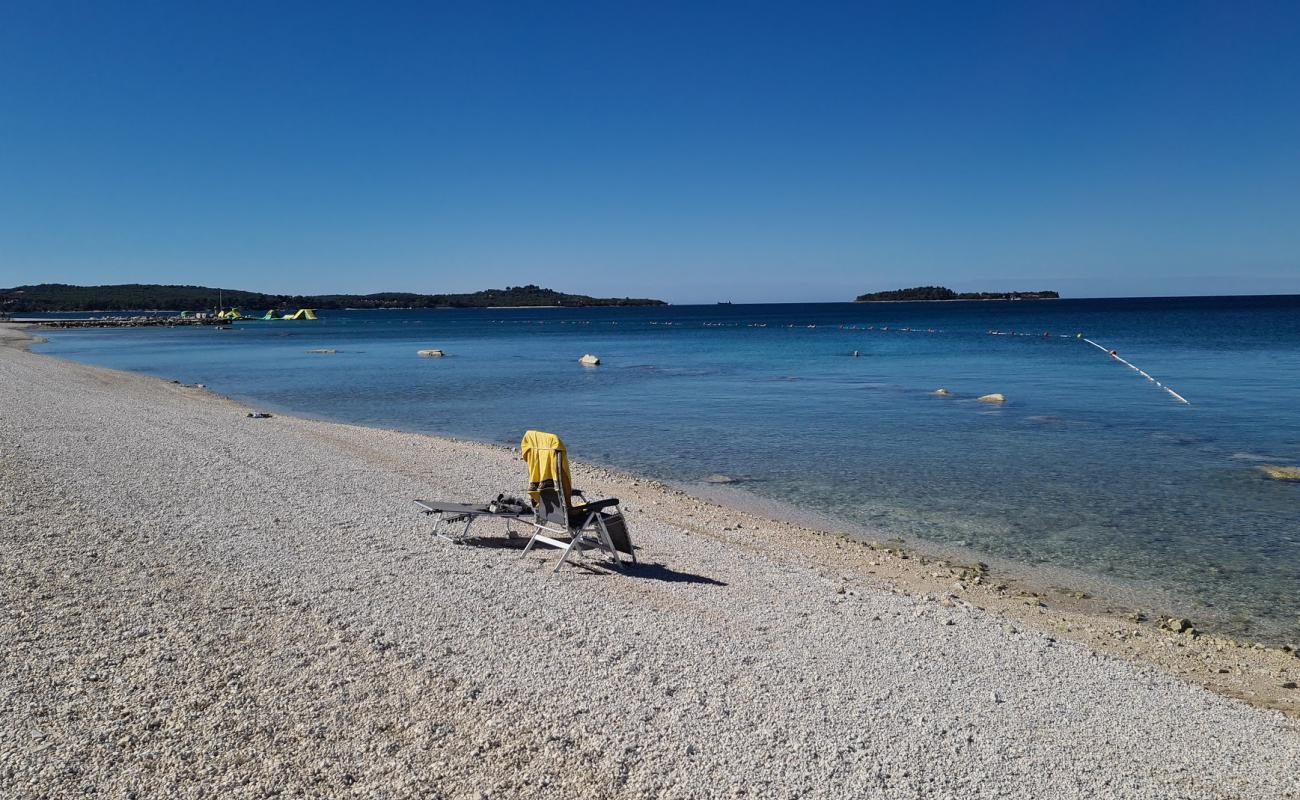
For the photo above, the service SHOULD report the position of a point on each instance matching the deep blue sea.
(1087, 467)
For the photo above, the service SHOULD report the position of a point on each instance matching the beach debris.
(996, 397)
(258, 415)
(589, 360)
(430, 353)
(325, 351)
(941, 392)
(1280, 473)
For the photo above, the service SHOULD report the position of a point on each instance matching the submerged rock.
(1250, 457)
(1181, 439)
(1280, 473)
(993, 398)
(719, 478)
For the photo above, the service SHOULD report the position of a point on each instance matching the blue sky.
(693, 152)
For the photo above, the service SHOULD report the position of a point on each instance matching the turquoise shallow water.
(1087, 467)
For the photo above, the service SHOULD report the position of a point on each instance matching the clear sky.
(690, 151)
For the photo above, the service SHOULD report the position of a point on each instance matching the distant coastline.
(939, 294)
(58, 297)
(962, 300)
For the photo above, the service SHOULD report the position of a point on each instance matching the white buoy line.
(1115, 355)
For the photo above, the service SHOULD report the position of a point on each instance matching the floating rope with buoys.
(1115, 355)
(1045, 335)
(882, 329)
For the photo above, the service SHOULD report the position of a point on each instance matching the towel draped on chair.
(546, 472)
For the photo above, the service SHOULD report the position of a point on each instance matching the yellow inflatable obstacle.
(272, 315)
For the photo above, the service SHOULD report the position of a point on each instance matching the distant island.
(923, 293)
(153, 297)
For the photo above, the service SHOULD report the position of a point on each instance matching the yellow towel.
(539, 451)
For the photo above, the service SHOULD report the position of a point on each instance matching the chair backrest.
(552, 502)
(549, 484)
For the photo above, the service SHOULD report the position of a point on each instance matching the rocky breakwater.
(127, 322)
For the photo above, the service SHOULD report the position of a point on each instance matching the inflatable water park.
(272, 315)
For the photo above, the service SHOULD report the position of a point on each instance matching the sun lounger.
(560, 522)
(449, 514)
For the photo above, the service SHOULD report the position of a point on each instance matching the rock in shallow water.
(1281, 473)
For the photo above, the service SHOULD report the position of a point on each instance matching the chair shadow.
(662, 572)
(641, 569)
(495, 542)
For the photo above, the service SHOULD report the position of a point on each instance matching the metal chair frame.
(589, 534)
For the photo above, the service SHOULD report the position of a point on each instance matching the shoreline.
(1045, 598)
(200, 599)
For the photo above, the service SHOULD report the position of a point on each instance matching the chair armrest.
(598, 505)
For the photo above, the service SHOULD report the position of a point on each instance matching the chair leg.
(572, 544)
(531, 541)
(440, 528)
(606, 541)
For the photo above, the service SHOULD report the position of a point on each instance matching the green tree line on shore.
(52, 297)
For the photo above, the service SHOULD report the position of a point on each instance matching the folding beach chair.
(583, 526)
(451, 514)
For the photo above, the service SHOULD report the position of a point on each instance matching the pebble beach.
(195, 603)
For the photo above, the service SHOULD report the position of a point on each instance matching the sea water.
(1086, 467)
